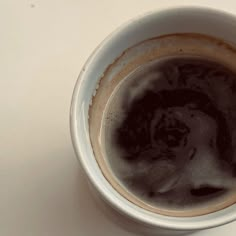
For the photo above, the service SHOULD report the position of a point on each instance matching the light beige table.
(43, 45)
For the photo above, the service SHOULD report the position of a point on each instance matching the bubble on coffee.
(170, 131)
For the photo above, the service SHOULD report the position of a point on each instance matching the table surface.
(44, 44)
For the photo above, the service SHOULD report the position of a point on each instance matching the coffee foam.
(215, 177)
(203, 128)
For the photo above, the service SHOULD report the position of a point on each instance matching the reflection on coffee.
(169, 132)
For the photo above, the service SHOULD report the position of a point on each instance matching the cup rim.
(134, 212)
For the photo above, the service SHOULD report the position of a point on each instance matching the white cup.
(177, 20)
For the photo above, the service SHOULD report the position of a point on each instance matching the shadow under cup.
(177, 32)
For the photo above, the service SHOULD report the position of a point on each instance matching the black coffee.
(170, 131)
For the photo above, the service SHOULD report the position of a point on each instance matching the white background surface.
(43, 45)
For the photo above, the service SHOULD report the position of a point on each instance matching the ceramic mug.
(195, 20)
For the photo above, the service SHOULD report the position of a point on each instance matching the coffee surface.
(170, 130)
